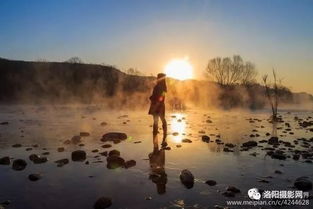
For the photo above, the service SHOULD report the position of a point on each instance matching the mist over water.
(78, 185)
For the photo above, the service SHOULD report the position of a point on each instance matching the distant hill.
(61, 82)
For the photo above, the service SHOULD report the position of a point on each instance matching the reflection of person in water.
(157, 107)
(157, 162)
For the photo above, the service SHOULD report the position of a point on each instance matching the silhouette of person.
(157, 107)
(157, 162)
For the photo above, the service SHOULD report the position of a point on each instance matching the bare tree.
(229, 71)
(133, 71)
(272, 95)
(75, 60)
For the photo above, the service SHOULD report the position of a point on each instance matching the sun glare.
(179, 69)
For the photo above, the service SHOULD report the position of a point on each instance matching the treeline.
(75, 82)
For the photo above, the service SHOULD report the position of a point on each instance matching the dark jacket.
(157, 99)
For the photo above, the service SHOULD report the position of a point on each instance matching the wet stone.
(16, 145)
(211, 182)
(205, 138)
(115, 162)
(105, 153)
(113, 136)
(19, 165)
(67, 142)
(228, 194)
(76, 139)
(250, 144)
(106, 146)
(5, 161)
(114, 152)
(233, 189)
(37, 159)
(102, 203)
(130, 163)
(103, 124)
(84, 134)
(61, 149)
(303, 183)
(78, 155)
(278, 172)
(186, 141)
(62, 162)
(187, 178)
(34, 177)
(273, 140)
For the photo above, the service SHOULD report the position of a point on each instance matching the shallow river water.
(78, 185)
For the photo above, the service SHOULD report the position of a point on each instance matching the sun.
(179, 69)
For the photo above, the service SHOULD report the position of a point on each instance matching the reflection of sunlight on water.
(178, 125)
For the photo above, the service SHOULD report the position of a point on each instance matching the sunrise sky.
(148, 34)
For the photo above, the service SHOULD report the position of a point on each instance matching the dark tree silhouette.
(229, 71)
(74, 60)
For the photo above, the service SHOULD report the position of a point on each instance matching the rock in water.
(102, 203)
(34, 177)
(206, 138)
(5, 161)
(78, 155)
(130, 163)
(233, 189)
(114, 136)
(114, 152)
(84, 134)
(273, 140)
(19, 165)
(16, 145)
(62, 162)
(76, 139)
(250, 144)
(115, 162)
(210, 182)
(303, 183)
(187, 178)
(37, 159)
(186, 141)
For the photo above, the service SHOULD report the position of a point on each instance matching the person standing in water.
(157, 107)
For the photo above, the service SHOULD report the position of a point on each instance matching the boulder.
(303, 183)
(16, 145)
(76, 139)
(233, 189)
(61, 149)
(130, 163)
(115, 161)
(102, 203)
(62, 162)
(37, 159)
(106, 146)
(34, 177)
(250, 144)
(205, 138)
(5, 161)
(186, 141)
(78, 155)
(84, 134)
(187, 178)
(273, 140)
(114, 152)
(113, 136)
(19, 165)
(211, 182)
